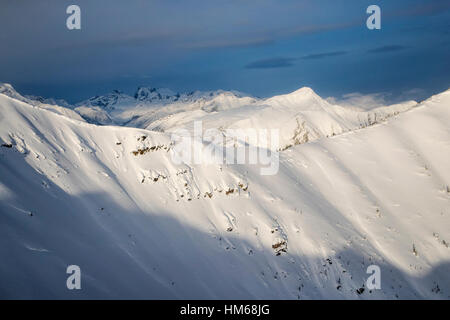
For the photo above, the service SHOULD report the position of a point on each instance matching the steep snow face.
(8, 90)
(151, 104)
(300, 117)
(57, 106)
(111, 200)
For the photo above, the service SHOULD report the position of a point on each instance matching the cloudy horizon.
(258, 48)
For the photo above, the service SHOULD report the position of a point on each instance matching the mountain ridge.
(111, 200)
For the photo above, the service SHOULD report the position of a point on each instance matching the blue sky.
(261, 47)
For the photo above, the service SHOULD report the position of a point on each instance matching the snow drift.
(355, 188)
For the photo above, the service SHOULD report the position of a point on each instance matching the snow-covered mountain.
(57, 106)
(149, 104)
(354, 188)
(301, 116)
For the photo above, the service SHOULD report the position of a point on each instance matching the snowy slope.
(149, 104)
(111, 200)
(58, 106)
(301, 116)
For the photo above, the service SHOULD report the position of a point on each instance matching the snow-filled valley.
(94, 185)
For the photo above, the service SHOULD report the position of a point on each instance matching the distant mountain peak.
(108, 100)
(152, 94)
(304, 91)
(6, 86)
(8, 90)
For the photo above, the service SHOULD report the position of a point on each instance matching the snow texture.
(94, 185)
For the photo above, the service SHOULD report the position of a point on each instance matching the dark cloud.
(271, 63)
(227, 43)
(324, 55)
(200, 44)
(388, 48)
(426, 8)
